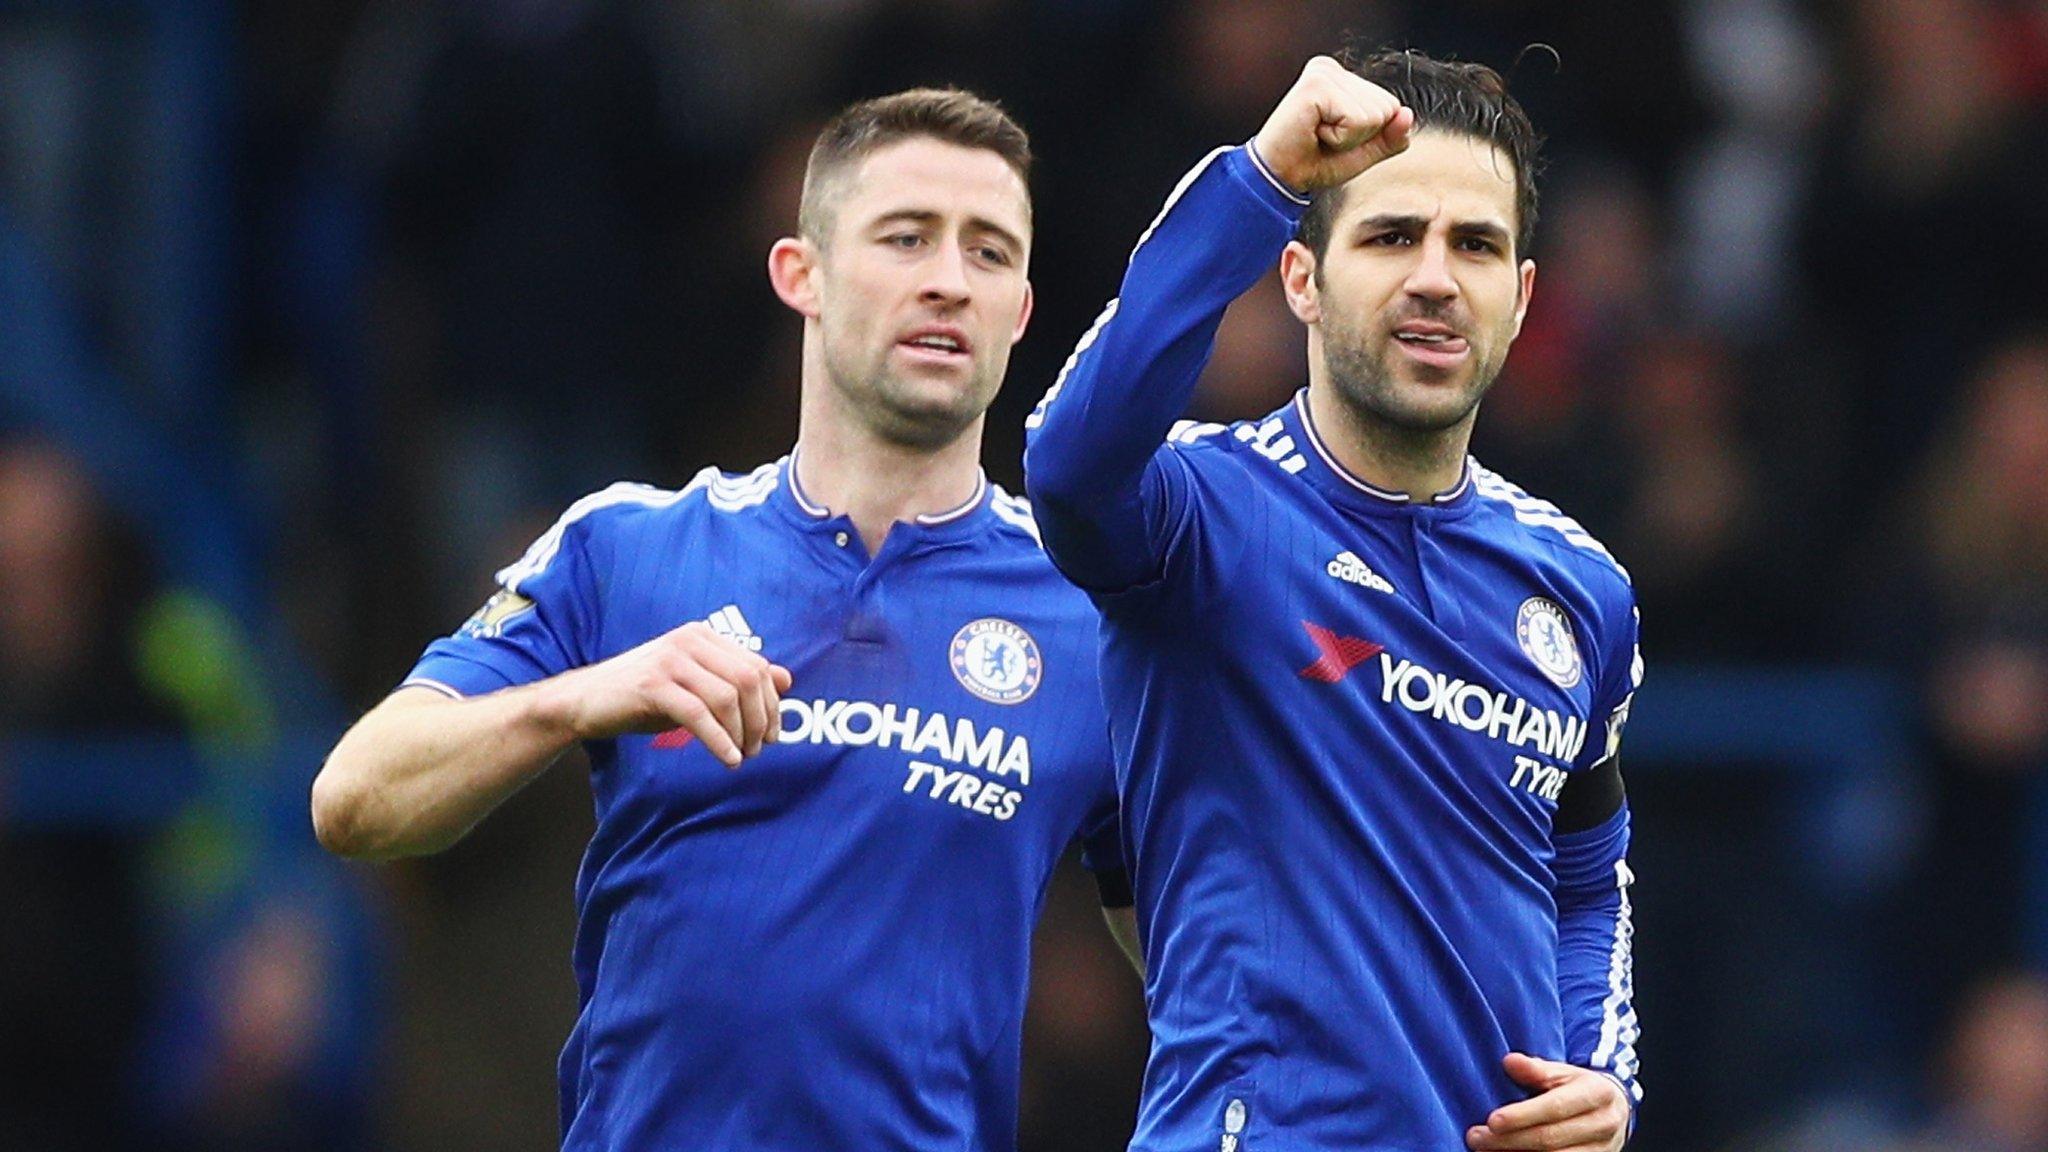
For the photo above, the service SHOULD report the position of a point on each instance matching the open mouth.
(936, 346)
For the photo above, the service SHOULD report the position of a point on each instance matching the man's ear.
(1298, 280)
(1528, 291)
(1023, 314)
(793, 271)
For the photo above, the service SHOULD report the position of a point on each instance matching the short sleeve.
(1623, 674)
(540, 622)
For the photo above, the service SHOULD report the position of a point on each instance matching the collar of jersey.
(1351, 491)
(957, 521)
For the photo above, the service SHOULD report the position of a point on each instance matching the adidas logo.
(728, 622)
(1352, 570)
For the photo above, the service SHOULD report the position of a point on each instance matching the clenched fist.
(689, 677)
(1332, 125)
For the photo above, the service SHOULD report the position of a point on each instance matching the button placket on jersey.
(866, 617)
(845, 555)
(1434, 569)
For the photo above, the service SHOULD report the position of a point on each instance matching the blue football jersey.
(1343, 720)
(827, 947)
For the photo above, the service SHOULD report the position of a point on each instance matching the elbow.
(1052, 482)
(352, 819)
(1045, 481)
(356, 820)
(337, 816)
(367, 802)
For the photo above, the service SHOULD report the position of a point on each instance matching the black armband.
(1589, 797)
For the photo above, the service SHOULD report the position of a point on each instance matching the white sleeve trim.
(1251, 149)
(436, 685)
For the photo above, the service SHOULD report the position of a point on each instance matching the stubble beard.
(1367, 384)
(899, 413)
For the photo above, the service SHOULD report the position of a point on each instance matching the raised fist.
(1332, 125)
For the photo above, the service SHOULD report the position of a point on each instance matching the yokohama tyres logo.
(1501, 716)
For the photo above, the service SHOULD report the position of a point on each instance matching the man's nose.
(1431, 275)
(946, 275)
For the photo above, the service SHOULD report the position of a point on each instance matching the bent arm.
(1098, 486)
(1588, 1100)
(1105, 501)
(1595, 930)
(1595, 951)
(419, 770)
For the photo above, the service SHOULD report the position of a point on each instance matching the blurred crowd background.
(311, 314)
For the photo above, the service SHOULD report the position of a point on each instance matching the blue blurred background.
(311, 314)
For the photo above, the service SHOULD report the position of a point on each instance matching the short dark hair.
(1446, 96)
(949, 115)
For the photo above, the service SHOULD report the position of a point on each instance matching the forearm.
(1595, 951)
(1134, 373)
(419, 770)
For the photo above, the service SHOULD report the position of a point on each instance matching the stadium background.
(312, 313)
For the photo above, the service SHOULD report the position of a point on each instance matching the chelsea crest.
(997, 661)
(1546, 636)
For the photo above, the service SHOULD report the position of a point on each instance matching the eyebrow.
(974, 224)
(1397, 222)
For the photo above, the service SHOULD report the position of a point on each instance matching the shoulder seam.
(1016, 512)
(542, 551)
(733, 493)
(728, 494)
(1193, 431)
(1539, 513)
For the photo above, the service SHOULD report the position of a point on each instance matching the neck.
(845, 467)
(1421, 464)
